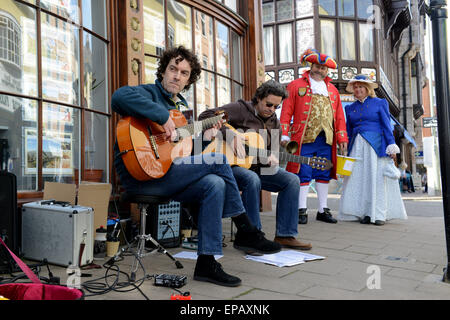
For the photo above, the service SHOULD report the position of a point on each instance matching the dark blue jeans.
(204, 179)
(285, 183)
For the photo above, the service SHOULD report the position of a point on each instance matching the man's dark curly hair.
(268, 88)
(180, 53)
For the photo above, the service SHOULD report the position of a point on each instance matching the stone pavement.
(404, 259)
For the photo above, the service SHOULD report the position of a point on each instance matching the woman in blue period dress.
(371, 193)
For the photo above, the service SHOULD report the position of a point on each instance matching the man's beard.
(318, 75)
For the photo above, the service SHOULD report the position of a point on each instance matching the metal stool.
(143, 202)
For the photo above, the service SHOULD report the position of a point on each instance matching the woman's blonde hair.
(370, 90)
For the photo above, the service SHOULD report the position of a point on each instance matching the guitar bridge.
(154, 146)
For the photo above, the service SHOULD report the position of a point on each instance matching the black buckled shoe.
(302, 216)
(326, 216)
(213, 272)
(379, 222)
(365, 220)
(255, 242)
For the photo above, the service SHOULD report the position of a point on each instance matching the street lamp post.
(438, 13)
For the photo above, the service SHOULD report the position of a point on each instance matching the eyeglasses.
(270, 105)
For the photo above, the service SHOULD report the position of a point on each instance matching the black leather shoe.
(325, 216)
(365, 220)
(302, 216)
(213, 272)
(379, 222)
(255, 242)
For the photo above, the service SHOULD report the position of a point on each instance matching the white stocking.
(322, 195)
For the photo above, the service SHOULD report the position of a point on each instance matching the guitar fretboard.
(282, 156)
(198, 126)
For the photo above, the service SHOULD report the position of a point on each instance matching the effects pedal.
(171, 281)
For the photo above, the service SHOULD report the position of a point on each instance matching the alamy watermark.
(374, 279)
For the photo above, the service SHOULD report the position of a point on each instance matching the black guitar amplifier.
(9, 228)
(163, 223)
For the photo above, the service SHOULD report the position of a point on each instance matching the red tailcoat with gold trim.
(298, 105)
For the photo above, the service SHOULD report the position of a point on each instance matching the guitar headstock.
(223, 115)
(320, 163)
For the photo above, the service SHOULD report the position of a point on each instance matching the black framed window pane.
(366, 42)
(236, 56)
(18, 48)
(348, 50)
(268, 46)
(206, 92)
(95, 145)
(60, 60)
(223, 91)
(305, 35)
(284, 10)
(18, 140)
(304, 8)
(268, 12)
(151, 65)
(365, 9)
(95, 73)
(328, 37)
(232, 4)
(154, 28)
(238, 91)
(222, 49)
(204, 40)
(327, 7)
(346, 8)
(179, 20)
(60, 143)
(67, 9)
(285, 43)
(94, 16)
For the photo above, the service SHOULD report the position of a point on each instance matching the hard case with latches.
(56, 231)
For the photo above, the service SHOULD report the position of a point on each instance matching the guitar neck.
(197, 127)
(282, 156)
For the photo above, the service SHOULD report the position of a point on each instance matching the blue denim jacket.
(371, 120)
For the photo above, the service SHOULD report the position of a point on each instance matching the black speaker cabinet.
(8, 216)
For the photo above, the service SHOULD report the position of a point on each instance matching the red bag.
(36, 290)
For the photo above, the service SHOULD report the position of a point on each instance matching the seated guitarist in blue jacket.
(197, 179)
(259, 115)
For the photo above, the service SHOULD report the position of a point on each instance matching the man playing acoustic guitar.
(259, 115)
(198, 179)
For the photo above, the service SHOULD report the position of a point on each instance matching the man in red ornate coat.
(318, 127)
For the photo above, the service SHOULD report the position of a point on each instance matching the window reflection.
(222, 49)
(94, 16)
(60, 60)
(365, 8)
(223, 91)
(95, 74)
(95, 145)
(268, 12)
(204, 41)
(154, 30)
(232, 4)
(237, 56)
(346, 8)
(179, 20)
(151, 65)
(64, 8)
(305, 35)
(18, 50)
(206, 98)
(60, 142)
(327, 7)
(18, 151)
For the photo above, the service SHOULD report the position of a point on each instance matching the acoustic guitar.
(145, 150)
(255, 152)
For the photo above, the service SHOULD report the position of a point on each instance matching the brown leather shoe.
(291, 242)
